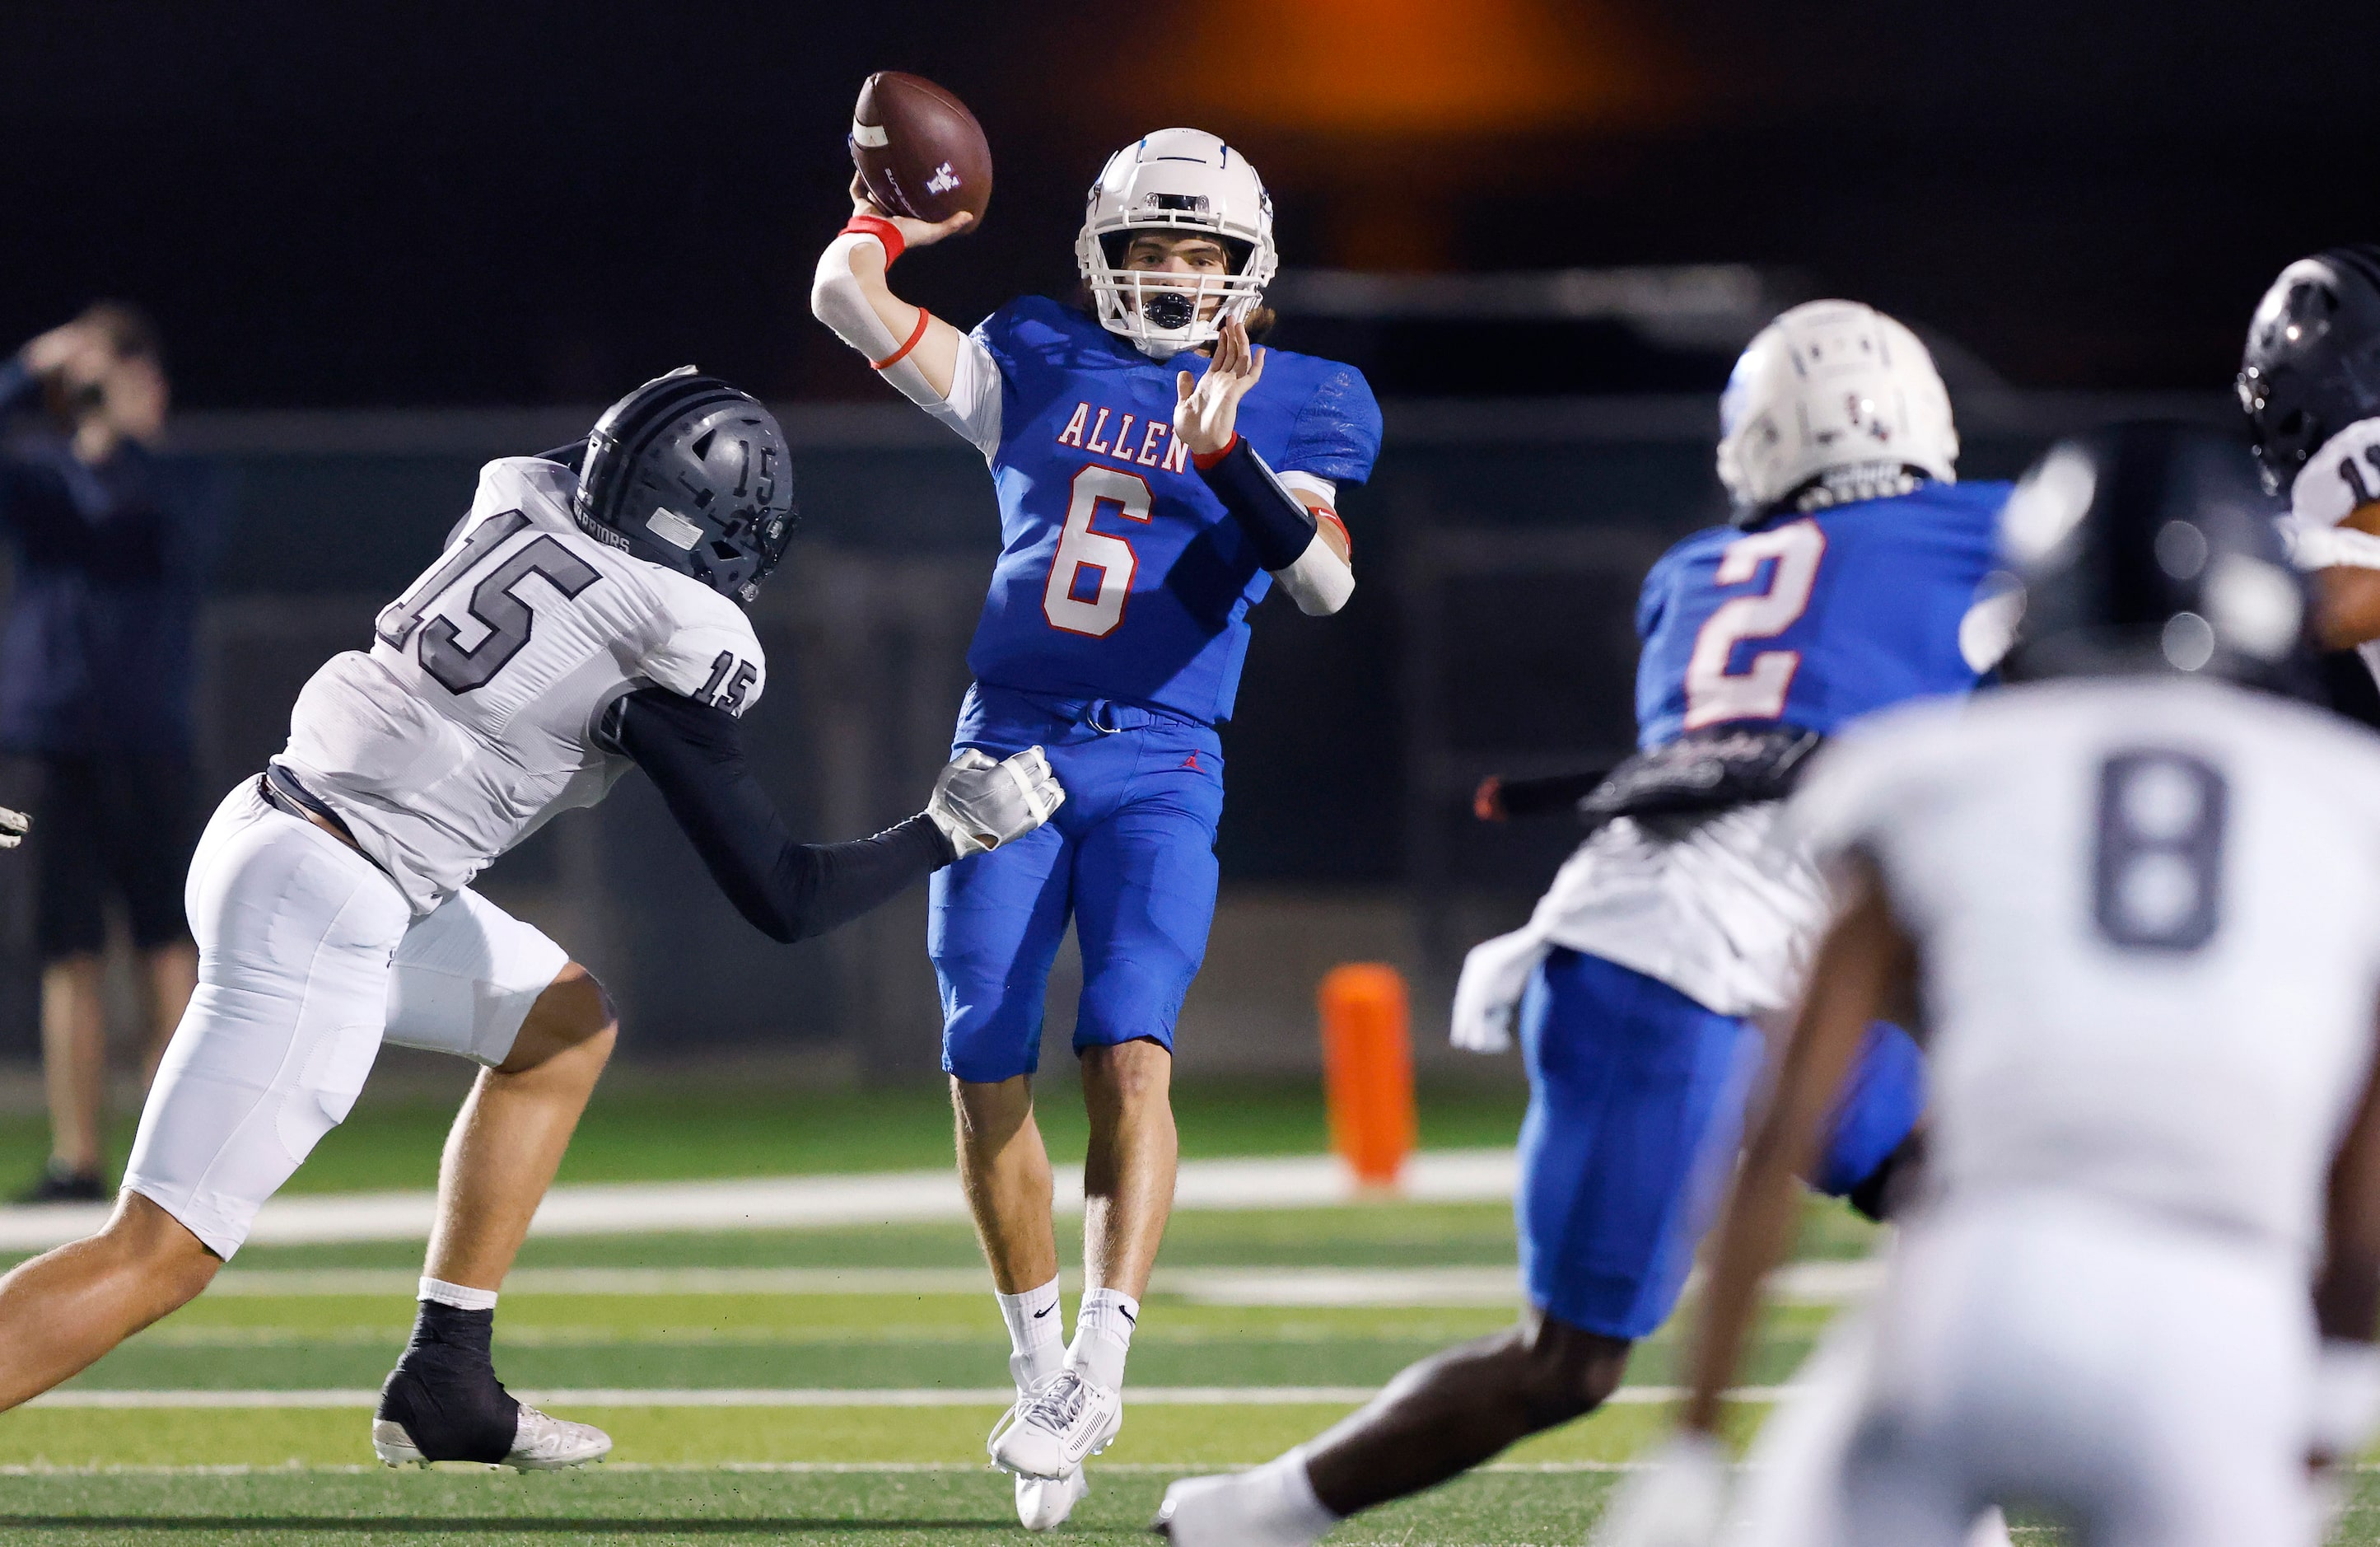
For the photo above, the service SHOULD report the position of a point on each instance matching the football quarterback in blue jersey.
(1850, 579)
(1158, 474)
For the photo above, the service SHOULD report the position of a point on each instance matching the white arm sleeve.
(973, 407)
(1311, 489)
(1321, 582)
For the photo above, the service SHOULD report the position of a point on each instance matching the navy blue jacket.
(99, 648)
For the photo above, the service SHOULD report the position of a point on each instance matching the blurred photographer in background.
(111, 540)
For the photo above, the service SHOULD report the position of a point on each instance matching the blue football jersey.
(1815, 620)
(1119, 575)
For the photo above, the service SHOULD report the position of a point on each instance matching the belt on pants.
(283, 793)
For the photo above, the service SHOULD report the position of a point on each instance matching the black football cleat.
(62, 1184)
(442, 1402)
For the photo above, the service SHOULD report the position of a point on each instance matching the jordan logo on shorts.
(1191, 762)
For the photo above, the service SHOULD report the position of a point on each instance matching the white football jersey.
(1723, 908)
(469, 723)
(2148, 918)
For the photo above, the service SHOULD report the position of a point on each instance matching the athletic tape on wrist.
(883, 231)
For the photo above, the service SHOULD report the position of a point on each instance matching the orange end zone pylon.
(1368, 1069)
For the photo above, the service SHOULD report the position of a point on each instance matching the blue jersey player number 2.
(1158, 474)
(1637, 989)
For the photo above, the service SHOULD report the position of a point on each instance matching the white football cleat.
(541, 1442)
(1063, 1421)
(1042, 1504)
(1225, 1511)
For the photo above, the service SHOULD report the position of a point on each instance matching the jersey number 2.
(495, 603)
(1080, 548)
(1714, 694)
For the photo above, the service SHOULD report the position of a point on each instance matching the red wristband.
(916, 333)
(883, 231)
(1205, 459)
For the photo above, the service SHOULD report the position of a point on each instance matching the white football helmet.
(1836, 391)
(1177, 179)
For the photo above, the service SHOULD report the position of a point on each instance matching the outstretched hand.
(1207, 413)
(916, 232)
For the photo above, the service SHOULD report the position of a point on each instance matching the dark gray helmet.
(2152, 548)
(690, 473)
(2312, 366)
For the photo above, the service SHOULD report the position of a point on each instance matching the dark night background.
(518, 209)
(408, 204)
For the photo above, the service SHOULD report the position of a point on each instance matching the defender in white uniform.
(569, 630)
(2136, 901)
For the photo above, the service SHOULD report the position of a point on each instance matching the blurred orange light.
(1393, 67)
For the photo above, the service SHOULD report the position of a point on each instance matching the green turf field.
(648, 1127)
(327, 1319)
(869, 1361)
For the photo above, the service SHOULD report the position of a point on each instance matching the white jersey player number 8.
(1080, 548)
(1715, 695)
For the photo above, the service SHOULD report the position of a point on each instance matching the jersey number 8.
(1080, 548)
(2157, 874)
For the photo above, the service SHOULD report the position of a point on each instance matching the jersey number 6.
(1714, 694)
(494, 603)
(1080, 548)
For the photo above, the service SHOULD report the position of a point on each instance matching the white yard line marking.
(814, 1396)
(784, 1203)
(1151, 1469)
(1801, 1283)
(1159, 1469)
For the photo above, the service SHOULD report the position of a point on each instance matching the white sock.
(460, 1295)
(1287, 1500)
(1035, 1334)
(1103, 1324)
(1273, 1506)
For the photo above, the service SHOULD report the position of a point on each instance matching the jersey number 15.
(495, 603)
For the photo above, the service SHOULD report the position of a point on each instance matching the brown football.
(921, 150)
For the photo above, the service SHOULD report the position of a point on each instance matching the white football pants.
(1791, 1491)
(2148, 1381)
(308, 958)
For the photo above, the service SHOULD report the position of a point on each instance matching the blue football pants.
(1636, 1110)
(1130, 857)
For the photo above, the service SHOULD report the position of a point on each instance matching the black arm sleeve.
(789, 890)
(1278, 527)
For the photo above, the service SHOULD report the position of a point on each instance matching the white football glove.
(1678, 1500)
(13, 827)
(980, 804)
